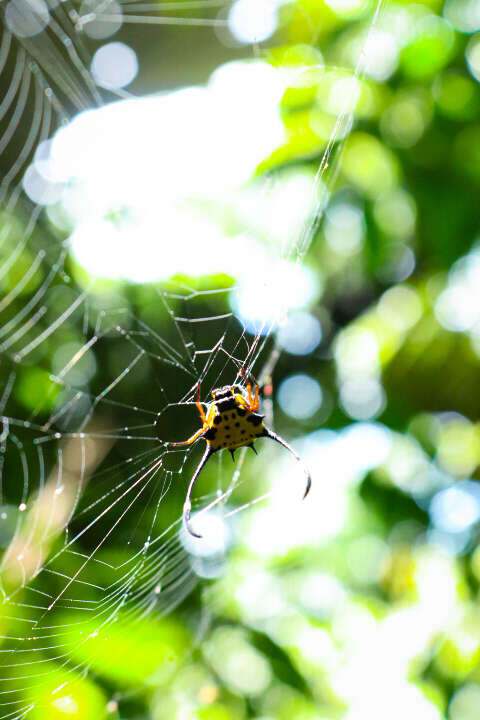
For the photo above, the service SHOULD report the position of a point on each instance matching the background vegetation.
(362, 603)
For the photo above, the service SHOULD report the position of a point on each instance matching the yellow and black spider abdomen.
(232, 425)
(232, 421)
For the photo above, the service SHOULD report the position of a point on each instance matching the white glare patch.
(301, 333)
(114, 65)
(280, 213)
(252, 21)
(214, 533)
(376, 703)
(369, 443)
(41, 161)
(322, 594)
(261, 299)
(456, 508)
(113, 258)
(300, 396)
(337, 461)
(208, 551)
(380, 55)
(39, 189)
(26, 18)
(67, 705)
(458, 306)
(157, 193)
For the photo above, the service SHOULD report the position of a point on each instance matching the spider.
(231, 422)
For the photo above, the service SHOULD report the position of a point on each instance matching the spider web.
(89, 543)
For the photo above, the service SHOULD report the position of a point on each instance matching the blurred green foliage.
(367, 606)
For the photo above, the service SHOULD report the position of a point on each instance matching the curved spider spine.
(227, 407)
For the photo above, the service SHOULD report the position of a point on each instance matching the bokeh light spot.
(344, 228)
(458, 446)
(8, 523)
(362, 398)
(380, 54)
(472, 53)
(114, 65)
(26, 18)
(401, 307)
(300, 396)
(100, 20)
(300, 334)
(369, 164)
(395, 213)
(39, 189)
(252, 21)
(465, 703)
(456, 508)
(261, 300)
(463, 14)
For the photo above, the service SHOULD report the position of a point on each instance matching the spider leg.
(273, 436)
(192, 439)
(253, 402)
(256, 402)
(200, 432)
(199, 404)
(187, 506)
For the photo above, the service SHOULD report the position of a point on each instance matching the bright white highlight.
(155, 194)
(380, 57)
(262, 299)
(371, 443)
(300, 396)
(341, 460)
(114, 65)
(214, 532)
(458, 306)
(67, 705)
(456, 508)
(252, 21)
(39, 189)
(208, 551)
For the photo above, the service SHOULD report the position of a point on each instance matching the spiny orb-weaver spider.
(231, 422)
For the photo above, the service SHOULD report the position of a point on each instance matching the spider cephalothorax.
(231, 422)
